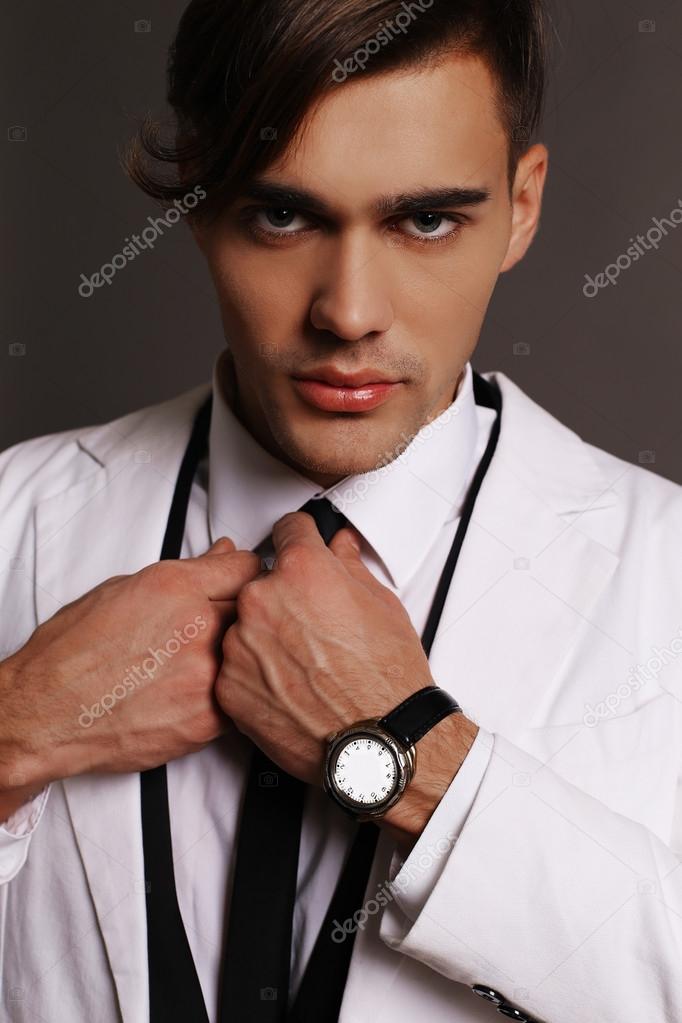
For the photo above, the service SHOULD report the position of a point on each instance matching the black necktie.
(257, 947)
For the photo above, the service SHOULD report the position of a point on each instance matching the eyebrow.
(422, 200)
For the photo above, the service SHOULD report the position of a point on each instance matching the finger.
(296, 528)
(223, 545)
(226, 608)
(222, 575)
(345, 546)
(227, 617)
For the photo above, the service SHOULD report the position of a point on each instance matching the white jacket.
(561, 637)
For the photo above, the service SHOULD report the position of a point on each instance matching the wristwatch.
(369, 765)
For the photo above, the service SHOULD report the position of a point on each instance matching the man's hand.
(318, 644)
(121, 679)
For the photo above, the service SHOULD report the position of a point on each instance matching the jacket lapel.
(529, 574)
(111, 521)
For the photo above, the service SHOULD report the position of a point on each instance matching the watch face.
(364, 770)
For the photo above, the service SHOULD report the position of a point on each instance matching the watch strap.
(419, 713)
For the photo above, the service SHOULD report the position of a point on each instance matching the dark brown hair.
(242, 74)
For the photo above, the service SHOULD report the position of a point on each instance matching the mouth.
(332, 391)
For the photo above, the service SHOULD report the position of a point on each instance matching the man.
(355, 224)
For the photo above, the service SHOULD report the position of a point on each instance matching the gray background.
(77, 76)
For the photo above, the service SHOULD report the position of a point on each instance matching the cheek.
(261, 301)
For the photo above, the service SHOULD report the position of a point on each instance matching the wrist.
(440, 754)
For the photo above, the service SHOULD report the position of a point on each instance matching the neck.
(229, 382)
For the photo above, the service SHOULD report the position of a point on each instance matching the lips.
(337, 378)
(334, 397)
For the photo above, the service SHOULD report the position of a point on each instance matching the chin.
(338, 446)
(320, 462)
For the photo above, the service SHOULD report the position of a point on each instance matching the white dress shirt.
(406, 514)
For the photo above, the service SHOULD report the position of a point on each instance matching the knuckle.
(297, 557)
(159, 573)
(249, 598)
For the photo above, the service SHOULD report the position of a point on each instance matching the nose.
(353, 299)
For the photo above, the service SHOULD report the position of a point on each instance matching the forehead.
(398, 129)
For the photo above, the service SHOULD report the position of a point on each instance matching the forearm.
(21, 778)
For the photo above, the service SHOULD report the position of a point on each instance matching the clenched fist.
(122, 678)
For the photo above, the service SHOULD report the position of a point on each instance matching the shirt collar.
(398, 508)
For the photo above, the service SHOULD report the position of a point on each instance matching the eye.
(436, 226)
(279, 223)
(275, 220)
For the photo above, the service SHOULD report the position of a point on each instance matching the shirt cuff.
(412, 880)
(15, 835)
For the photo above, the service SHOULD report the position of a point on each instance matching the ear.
(527, 192)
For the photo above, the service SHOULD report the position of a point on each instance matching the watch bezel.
(404, 757)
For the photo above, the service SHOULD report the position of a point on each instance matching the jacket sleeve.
(548, 901)
(28, 471)
(415, 877)
(15, 835)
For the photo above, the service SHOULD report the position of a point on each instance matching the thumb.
(345, 544)
(223, 545)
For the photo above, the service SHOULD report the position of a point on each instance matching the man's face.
(334, 284)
